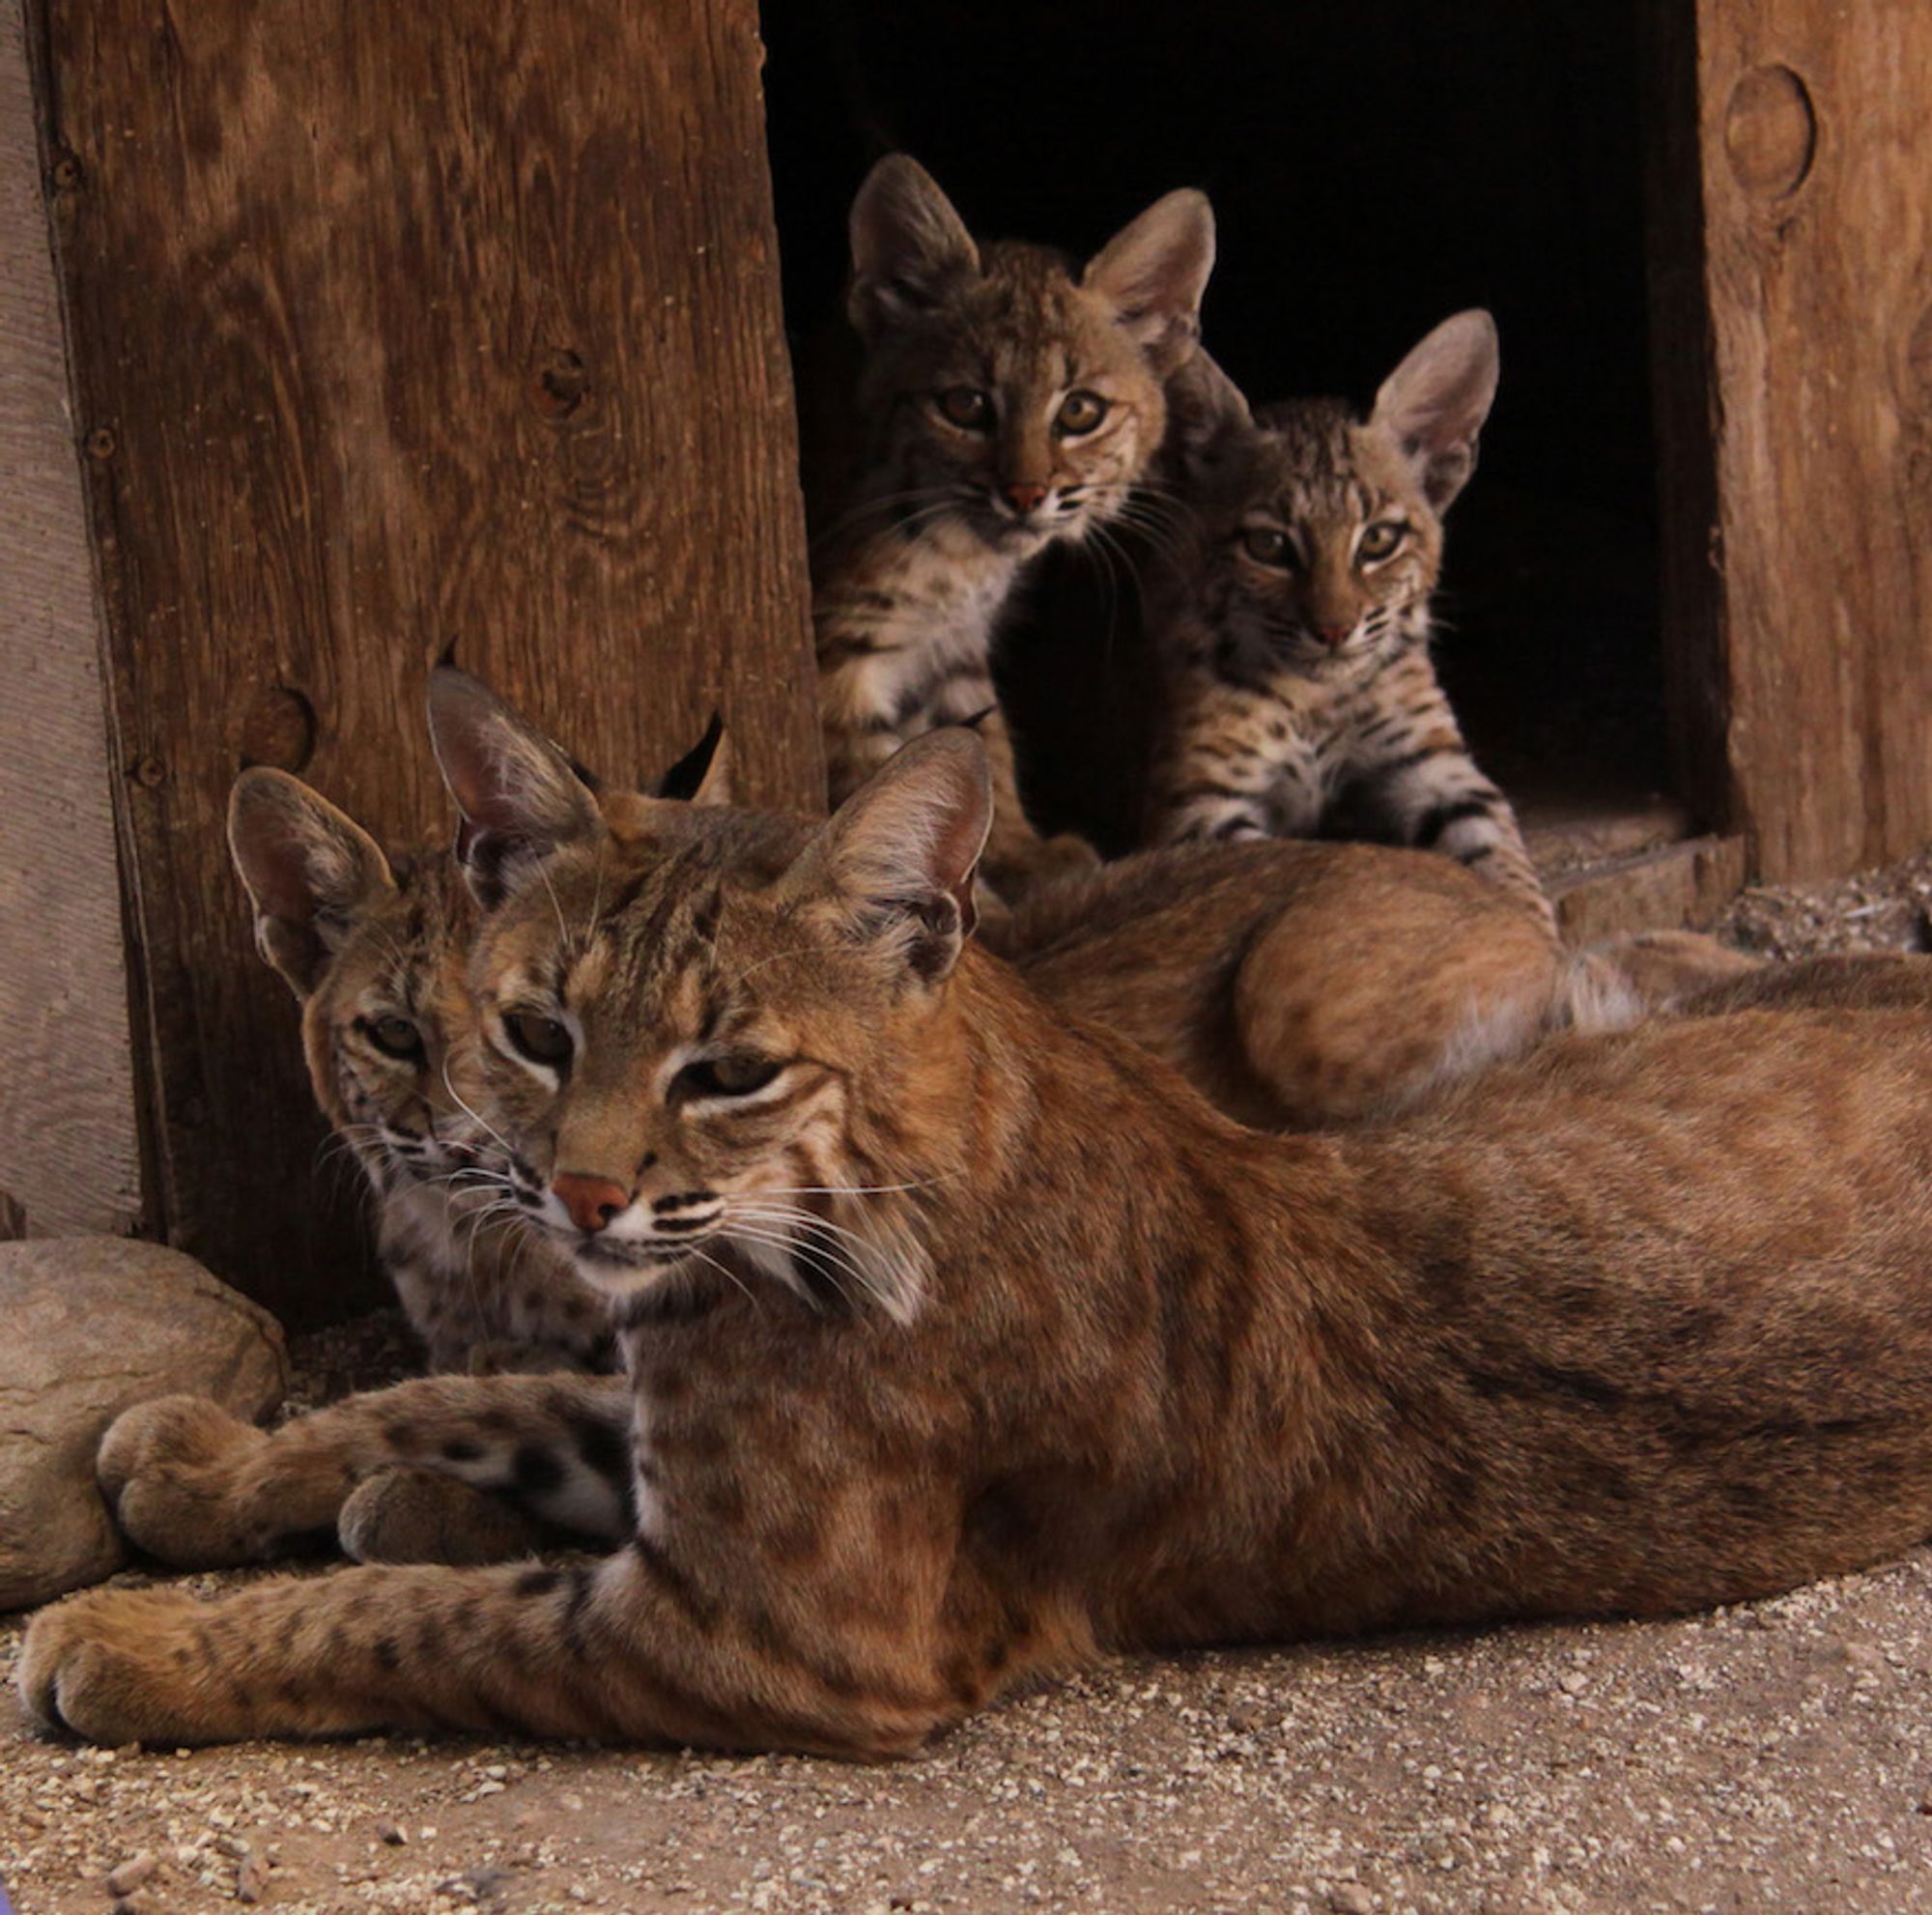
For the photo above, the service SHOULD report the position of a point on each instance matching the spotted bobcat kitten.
(375, 954)
(1296, 637)
(967, 1343)
(1005, 400)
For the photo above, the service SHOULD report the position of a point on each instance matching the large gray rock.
(89, 1325)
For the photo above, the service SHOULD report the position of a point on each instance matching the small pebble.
(129, 1875)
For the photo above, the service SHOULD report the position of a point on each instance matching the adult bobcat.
(967, 1344)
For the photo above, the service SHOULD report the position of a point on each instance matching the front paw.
(421, 1516)
(171, 1469)
(1021, 870)
(108, 1666)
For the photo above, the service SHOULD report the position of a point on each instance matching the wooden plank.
(394, 328)
(1817, 183)
(1681, 886)
(70, 1143)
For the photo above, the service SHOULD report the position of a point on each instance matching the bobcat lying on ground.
(967, 1344)
(375, 954)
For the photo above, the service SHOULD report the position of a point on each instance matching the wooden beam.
(1815, 174)
(70, 1139)
(394, 327)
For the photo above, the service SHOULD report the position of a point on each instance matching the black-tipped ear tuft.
(702, 775)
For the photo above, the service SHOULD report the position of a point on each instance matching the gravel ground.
(1769, 1757)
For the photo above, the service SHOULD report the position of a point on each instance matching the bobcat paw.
(171, 1470)
(1020, 872)
(108, 1666)
(422, 1516)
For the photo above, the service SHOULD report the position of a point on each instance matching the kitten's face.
(675, 1078)
(1325, 549)
(1016, 411)
(1011, 399)
(379, 1025)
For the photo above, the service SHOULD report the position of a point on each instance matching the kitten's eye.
(540, 1039)
(1080, 413)
(726, 1076)
(394, 1036)
(1381, 540)
(1267, 546)
(966, 407)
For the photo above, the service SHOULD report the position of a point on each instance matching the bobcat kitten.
(375, 954)
(1296, 638)
(1005, 400)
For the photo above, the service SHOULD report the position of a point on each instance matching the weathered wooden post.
(391, 328)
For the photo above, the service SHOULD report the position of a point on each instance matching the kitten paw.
(171, 1472)
(1045, 861)
(107, 1666)
(423, 1516)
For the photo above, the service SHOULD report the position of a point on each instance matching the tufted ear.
(909, 246)
(1153, 272)
(897, 860)
(1208, 417)
(520, 795)
(1435, 401)
(702, 776)
(310, 869)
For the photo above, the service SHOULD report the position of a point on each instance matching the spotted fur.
(1297, 632)
(1006, 402)
(1639, 1325)
(374, 952)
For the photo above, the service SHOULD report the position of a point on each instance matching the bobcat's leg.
(1452, 990)
(866, 1655)
(199, 1489)
(1420, 774)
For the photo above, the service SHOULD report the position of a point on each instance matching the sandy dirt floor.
(1771, 1758)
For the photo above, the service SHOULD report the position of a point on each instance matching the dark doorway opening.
(1373, 168)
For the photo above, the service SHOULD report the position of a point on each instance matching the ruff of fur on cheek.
(879, 1260)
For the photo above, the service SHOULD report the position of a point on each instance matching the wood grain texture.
(1676, 887)
(1816, 174)
(69, 1142)
(392, 329)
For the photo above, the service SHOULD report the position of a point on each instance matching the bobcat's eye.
(1382, 539)
(966, 407)
(393, 1036)
(1080, 413)
(726, 1076)
(1267, 546)
(540, 1039)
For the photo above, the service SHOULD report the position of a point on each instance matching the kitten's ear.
(1435, 401)
(310, 869)
(1207, 416)
(520, 795)
(909, 246)
(1153, 273)
(702, 776)
(898, 859)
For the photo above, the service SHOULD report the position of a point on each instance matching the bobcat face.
(1326, 549)
(375, 954)
(1322, 534)
(1011, 401)
(694, 1033)
(379, 1026)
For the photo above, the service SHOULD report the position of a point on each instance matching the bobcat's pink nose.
(1334, 635)
(591, 1201)
(1025, 497)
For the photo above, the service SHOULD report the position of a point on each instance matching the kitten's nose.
(1334, 635)
(1024, 498)
(591, 1201)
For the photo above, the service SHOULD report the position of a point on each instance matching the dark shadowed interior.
(1374, 167)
